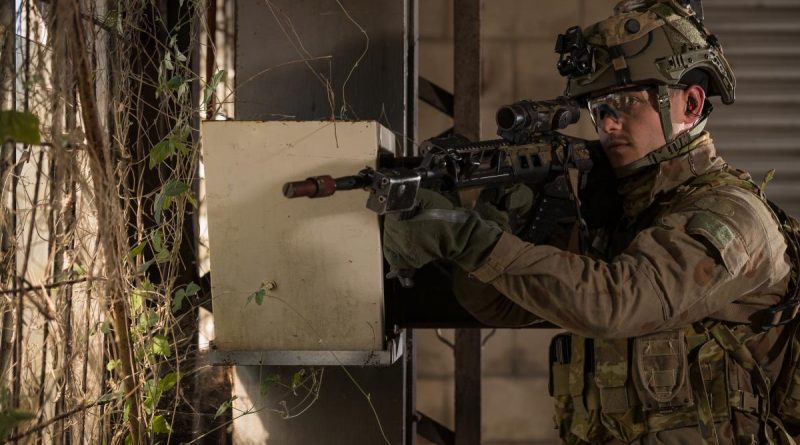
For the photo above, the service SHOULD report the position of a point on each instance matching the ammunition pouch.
(625, 388)
(662, 371)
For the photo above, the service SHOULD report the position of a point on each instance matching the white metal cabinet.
(318, 260)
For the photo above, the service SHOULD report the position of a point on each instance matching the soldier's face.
(628, 125)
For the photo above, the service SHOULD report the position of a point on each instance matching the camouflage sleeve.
(714, 250)
(488, 305)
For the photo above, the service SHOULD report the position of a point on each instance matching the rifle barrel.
(322, 186)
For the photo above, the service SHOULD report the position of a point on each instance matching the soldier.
(676, 314)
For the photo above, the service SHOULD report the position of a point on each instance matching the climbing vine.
(99, 119)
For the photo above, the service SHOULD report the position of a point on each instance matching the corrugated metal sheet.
(761, 131)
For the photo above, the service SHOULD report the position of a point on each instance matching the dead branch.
(48, 286)
(40, 426)
(102, 174)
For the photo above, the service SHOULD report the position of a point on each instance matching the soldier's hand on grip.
(438, 231)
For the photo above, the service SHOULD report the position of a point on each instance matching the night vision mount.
(576, 55)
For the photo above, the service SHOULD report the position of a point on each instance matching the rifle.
(529, 150)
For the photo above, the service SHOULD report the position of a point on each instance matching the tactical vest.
(689, 377)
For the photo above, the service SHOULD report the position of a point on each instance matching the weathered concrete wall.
(518, 63)
(518, 57)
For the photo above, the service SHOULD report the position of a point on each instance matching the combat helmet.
(657, 43)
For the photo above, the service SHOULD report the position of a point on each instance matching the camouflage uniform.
(668, 309)
(651, 357)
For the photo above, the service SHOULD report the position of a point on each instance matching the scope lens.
(507, 118)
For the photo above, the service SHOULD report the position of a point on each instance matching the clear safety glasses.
(618, 104)
(627, 103)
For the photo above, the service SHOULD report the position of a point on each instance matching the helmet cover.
(645, 42)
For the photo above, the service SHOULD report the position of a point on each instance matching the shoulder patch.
(711, 228)
(717, 232)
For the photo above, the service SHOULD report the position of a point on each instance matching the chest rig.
(695, 376)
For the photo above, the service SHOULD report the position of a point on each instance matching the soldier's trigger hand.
(510, 210)
(438, 231)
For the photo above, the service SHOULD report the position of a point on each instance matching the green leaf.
(10, 419)
(175, 82)
(163, 256)
(160, 75)
(191, 200)
(175, 188)
(211, 86)
(160, 425)
(141, 326)
(183, 91)
(258, 296)
(19, 126)
(78, 269)
(168, 61)
(138, 249)
(139, 295)
(161, 151)
(147, 320)
(164, 197)
(158, 240)
(182, 132)
(224, 407)
(177, 300)
(152, 317)
(181, 147)
(169, 381)
(190, 290)
(137, 299)
(139, 352)
(146, 265)
(146, 285)
(152, 395)
(166, 202)
(110, 366)
(217, 78)
(160, 346)
(267, 384)
(297, 378)
(105, 327)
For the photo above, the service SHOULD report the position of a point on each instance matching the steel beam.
(466, 116)
(467, 68)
